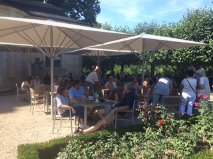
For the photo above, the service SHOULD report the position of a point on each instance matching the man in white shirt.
(93, 80)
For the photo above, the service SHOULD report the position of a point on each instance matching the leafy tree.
(197, 25)
(83, 10)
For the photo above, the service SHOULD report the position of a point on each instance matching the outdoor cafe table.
(89, 104)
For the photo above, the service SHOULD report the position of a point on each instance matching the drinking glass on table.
(84, 99)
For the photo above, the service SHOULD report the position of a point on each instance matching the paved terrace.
(19, 126)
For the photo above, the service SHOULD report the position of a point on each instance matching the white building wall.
(73, 64)
(14, 67)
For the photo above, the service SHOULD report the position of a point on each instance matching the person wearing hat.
(203, 83)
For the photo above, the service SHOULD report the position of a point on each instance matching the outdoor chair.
(37, 98)
(22, 92)
(56, 116)
(172, 103)
(129, 115)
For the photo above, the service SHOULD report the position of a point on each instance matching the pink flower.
(160, 122)
(205, 97)
(197, 104)
(200, 96)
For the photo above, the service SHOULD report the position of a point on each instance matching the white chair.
(22, 92)
(56, 116)
(130, 112)
(172, 103)
(37, 98)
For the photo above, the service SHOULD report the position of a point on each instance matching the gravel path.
(19, 126)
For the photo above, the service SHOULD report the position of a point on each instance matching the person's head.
(200, 72)
(29, 78)
(111, 78)
(97, 69)
(62, 88)
(83, 78)
(134, 79)
(76, 84)
(190, 72)
(145, 83)
(128, 87)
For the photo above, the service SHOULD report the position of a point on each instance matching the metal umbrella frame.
(52, 38)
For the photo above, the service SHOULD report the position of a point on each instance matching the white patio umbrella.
(98, 54)
(147, 42)
(52, 38)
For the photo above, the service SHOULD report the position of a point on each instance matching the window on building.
(57, 62)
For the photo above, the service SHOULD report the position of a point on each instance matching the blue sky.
(131, 12)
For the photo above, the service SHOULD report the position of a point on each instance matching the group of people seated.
(71, 93)
(71, 100)
(31, 81)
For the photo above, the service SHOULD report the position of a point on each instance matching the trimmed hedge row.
(51, 148)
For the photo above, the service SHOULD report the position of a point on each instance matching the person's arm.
(170, 86)
(63, 106)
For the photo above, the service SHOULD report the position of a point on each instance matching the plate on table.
(91, 98)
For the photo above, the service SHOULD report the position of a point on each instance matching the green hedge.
(42, 150)
(51, 148)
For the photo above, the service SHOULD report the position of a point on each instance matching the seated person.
(76, 96)
(83, 83)
(37, 80)
(63, 102)
(112, 87)
(46, 79)
(146, 92)
(26, 84)
(135, 84)
(125, 104)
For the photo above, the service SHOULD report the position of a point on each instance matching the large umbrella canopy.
(89, 51)
(98, 55)
(49, 34)
(52, 38)
(147, 42)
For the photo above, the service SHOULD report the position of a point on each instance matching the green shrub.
(42, 150)
(202, 155)
(160, 136)
(51, 148)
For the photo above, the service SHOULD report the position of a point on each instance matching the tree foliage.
(196, 25)
(83, 10)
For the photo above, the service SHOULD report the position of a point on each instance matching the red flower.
(200, 96)
(205, 97)
(160, 122)
(197, 104)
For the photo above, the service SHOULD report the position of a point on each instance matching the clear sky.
(131, 12)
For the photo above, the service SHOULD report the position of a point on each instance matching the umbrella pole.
(52, 83)
(29, 64)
